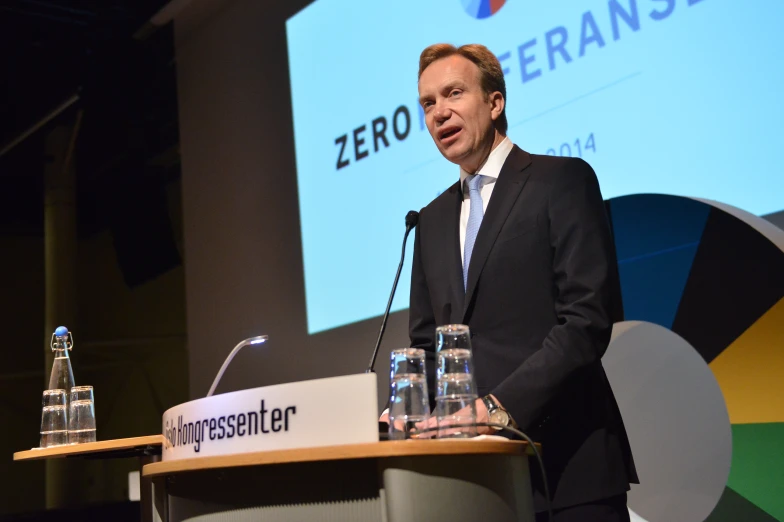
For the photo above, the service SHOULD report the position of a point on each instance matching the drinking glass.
(455, 387)
(53, 398)
(409, 407)
(82, 393)
(54, 419)
(81, 417)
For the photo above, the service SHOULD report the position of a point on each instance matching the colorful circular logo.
(482, 8)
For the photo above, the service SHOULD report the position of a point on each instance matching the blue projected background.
(664, 96)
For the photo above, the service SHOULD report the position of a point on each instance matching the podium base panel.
(468, 488)
(356, 511)
(411, 489)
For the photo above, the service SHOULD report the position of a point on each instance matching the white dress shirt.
(490, 170)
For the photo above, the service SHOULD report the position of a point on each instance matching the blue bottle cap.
(61, 331)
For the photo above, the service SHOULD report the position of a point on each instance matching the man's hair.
(491, 75)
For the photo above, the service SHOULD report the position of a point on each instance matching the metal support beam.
(40, 123)
(60, 272)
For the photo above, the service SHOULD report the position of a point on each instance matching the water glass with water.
(81, 415)
(409, 407)
(455, 386)
(54, 419)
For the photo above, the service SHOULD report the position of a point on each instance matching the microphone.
(259, 339)
(412, 218)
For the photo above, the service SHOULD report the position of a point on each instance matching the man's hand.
(482, 416)
(400, 425)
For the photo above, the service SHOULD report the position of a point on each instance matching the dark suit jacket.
(542, 296)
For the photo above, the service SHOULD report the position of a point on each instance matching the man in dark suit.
(520, 249)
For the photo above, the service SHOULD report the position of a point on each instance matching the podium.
(310, 451)
(396, 481)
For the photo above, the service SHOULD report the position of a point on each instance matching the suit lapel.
(453, 254)
(507, 188)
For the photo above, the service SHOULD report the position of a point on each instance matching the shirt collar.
(492, 165)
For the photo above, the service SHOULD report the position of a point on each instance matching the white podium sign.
(321, 412)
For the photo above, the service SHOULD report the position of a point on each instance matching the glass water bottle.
(62, 377)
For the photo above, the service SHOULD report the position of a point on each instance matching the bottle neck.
(61, 352)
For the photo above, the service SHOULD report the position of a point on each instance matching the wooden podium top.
(403, 448)
(131, 447)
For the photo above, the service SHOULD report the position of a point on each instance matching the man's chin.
(453, 155)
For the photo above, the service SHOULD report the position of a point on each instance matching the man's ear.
(497, 104)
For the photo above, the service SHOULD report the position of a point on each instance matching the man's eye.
(454, 93)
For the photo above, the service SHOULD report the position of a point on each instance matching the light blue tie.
(474, 183)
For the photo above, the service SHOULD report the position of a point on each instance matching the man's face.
(458, 114)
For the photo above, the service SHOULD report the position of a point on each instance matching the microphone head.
(412, 218)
